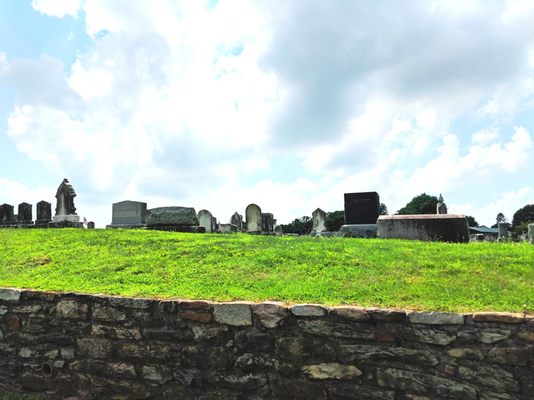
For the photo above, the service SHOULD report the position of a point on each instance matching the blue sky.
(289, 105)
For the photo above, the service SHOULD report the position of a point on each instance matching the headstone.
(361, 208)
(441, 207)
(278, 230)
(214, 224)
(90, 225)
(25, 216)
(205, 219)
(267, 223)
(227, 228)
(128, 214)
(427, 227)
(319, 220)
(44, 213)
(65, 210)
(367, 231)
(479, 237)
(237, 220)
(253, 214)
(531, 233)
(7, 216)
(178, 219)
(504, 228)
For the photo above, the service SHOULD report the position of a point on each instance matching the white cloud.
(57, 8)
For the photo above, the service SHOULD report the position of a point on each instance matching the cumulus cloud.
(186, 101)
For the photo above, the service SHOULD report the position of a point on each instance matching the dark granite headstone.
(44, 212)
(90, 225)
(6, 214)
(361, 208)
(25, 213)
(237, 220)
(267, 222)
(128, 213)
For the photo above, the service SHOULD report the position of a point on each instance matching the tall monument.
(65, 210)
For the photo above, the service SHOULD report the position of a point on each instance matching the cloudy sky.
(287, 104)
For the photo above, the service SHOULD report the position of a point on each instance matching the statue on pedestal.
(65, 199)
(441, 207)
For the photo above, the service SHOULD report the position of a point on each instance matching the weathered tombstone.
(267, 223)
(441, 207)
(503, 230)
(44, 213)
(214, 224)
(227, 228)
(205, 219)
(427, 227)
(278, 230)
(7, 216)
(531, 233)
(128, 214)
(479, 237)
(178, 219)
(25, 216)
(253, 214)
(90, 225)
(237, 220)
(361, 208)
(65, 211)
(319, 220)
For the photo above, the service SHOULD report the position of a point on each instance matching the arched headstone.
(253, 214)
(205, 219)
(25, 213)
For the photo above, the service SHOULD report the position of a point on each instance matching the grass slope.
(385, 273)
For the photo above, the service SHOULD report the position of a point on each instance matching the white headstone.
(253, 214)
(205, 219)
(319, 220)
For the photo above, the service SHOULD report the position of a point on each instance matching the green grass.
(384, 273)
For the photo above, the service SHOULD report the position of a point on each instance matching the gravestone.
(227, 228)
(319, 220)
(128, 214)
(441, 207)
(214, 224)
(267, 223)
(426, 227)
(504, 227)
(205, 219)
(44, 213)
(25, 216)
(361, 208)
(278, 230)
(253, 214)
(65, 210)
(7, 216)
(531, 233)
(237, 220)
(178, 219)
(90, 225)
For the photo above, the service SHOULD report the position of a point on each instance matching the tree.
(382, 209)
(300, 226)
(522, 218)
(334, 220)
(422, 204)
(499, 218)
(471, 221)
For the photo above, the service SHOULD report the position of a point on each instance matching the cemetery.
(163, 305)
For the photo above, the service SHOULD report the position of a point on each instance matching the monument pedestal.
(359, 230)
(66, 221)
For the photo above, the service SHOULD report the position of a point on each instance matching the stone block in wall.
(425, 335)
(499, 317)
(414, 382)
(270, 314)
(345, 391)
(322, 327)
(436, 318)
(331, 371)
(518, 356)
(358, 314)
(235, 314)
(105, 313)
(9, 295)
(94, 348)
(386, 354)
(308, 310)
(72, 309)
(491, 377)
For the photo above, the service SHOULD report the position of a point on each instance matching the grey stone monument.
(44, 213)
(253, 214)
(361, 208)
(205, 219)
(531, 233)
(441, 207)
(65, 210)
(90, 225)
(128, 214)
(214, 224)
(319, 220)
(178, 219)
(25, 216)
(237, 220)
(228, 228)
(7, 215)
(267, 223)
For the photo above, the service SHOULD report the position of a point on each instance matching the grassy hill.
(384, 273)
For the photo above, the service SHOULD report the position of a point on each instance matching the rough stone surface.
(82, 346)
(319, 220)
(359, 231)
(204, 219)
(128, 214)
(168, 216)
(234, 314)
(501, 317)
(436, 318)
(308, 310)
(531, 233)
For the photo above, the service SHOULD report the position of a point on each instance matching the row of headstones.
(135, 214)
(25, 215)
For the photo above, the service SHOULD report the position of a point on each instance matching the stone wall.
(82, 346)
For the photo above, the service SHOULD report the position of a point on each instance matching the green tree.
(300, 226)
(383, 209)
(522, 218)
(471, 221)
(334, 220)
(499, 218)
(422, 204)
